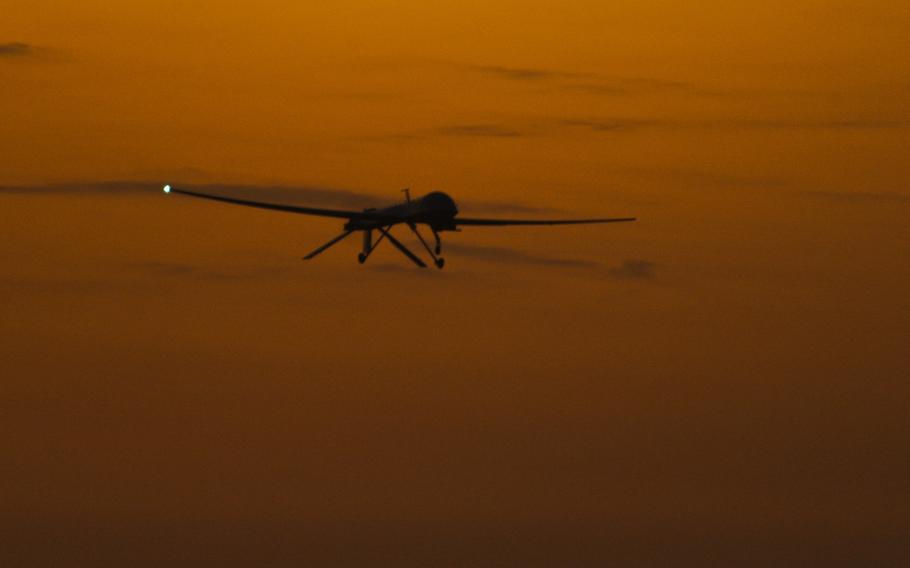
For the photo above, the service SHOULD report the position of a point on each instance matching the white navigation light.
(167, 189)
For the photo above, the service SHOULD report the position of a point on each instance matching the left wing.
(278, 207)
(502, 222)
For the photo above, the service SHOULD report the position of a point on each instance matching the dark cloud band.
(633, 269)
(16, 49)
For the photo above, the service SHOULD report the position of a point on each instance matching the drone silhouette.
(436, 210)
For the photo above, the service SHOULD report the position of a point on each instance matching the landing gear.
(369, 245)
(328, 244)
(438, 261)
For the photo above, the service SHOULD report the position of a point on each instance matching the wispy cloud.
(148, 273)
(612, 85)
(512, 256)
(798, 124)
(701, 178)
(600, 85)
(177, 270)
(523, 127)
(883, 197)
(56, 285)
(78, 187)
(479, 130)
(633, 269)
(470, 130)
(16, 49)
(585, 82)
(400, 267)
(611, 124)
(618, 125)
(526, 73)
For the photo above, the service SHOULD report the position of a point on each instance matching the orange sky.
(723, 381)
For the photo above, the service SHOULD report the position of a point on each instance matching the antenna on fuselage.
(407, 194)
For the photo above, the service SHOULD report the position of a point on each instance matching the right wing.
(278, 207)
(502, 222)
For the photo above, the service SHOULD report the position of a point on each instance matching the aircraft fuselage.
(436, 209)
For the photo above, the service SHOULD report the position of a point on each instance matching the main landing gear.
(434, 252)
(369, 245)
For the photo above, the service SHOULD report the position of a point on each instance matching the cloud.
(168, 269)
(606, 85)
(512, 256)
(630, 86)
(592, 83)
(859, 197)
(633, 269)
(799, 124)
(621, 124)
(403, 267)
(16, 49)
(521, 128)
(525, 73)
(56, 285)
(149, 273)
(611, 124)
(88, 187)
(701, 178)
(474, 130)
(479, 130)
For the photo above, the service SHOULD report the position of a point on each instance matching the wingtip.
(166, 188)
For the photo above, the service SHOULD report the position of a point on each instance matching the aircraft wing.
(339, 213)
(501, 222)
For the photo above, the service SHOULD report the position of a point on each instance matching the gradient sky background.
(722, 383)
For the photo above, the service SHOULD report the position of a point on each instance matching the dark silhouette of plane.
(436, 210)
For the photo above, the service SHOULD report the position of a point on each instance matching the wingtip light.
(167, 189)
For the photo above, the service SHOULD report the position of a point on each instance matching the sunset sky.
(723, 382)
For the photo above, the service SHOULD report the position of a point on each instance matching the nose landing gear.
(369, 245)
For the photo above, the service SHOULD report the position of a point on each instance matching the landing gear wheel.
(440, 262)
(361, 258)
